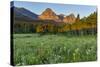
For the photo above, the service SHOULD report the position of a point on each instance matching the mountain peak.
(48, 9)
(48, 14)
(72, 15)
(69, 19)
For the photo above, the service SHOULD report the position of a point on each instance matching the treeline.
(86, 25)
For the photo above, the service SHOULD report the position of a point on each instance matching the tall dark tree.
(78, 18)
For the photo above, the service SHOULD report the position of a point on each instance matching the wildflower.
(77, 50)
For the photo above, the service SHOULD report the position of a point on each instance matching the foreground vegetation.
(53, 48)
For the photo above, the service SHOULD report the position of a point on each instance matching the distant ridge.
(23, 14)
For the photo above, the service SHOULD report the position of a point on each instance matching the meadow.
(34, 48)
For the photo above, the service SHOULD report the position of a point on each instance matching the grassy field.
(53, 48)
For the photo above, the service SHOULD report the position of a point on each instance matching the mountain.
(61, 16)
(49, 14)
(69, 19)
(23, 14)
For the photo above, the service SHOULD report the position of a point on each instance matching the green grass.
(52, 48)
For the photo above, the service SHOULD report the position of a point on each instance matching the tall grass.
(52, 48)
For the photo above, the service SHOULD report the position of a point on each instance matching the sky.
(66, 9)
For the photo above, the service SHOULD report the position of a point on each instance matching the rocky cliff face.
(61, 16)
(48, 14)
(69, 19)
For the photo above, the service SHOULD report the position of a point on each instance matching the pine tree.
(78, 18)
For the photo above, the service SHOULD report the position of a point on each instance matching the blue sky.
(65, 9)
